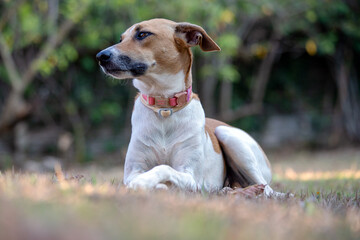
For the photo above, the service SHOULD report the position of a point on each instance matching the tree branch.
(52, 42)
(14, 75)
(258, 90)
(262, 78)
(243, 111)
(45, 52)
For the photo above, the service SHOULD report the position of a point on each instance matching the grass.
(97, 206)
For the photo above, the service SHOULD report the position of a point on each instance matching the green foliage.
(245, 31)
(229, 43)
(229, 73)
(30, 23)
(206, 71)
(104, 21)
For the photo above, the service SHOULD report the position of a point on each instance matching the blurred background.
(288, 74)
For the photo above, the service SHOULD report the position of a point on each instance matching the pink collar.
(180, 99)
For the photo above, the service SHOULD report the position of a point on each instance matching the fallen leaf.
(59, 173)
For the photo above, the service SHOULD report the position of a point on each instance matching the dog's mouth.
(135, 71)
(112, 71)
(123, 65)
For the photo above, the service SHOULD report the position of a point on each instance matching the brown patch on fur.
(195, 96)
(166, 50)
(213, 139)
(186, 59)
(210, 126)
(188, 76)
(196, 35)
(159, 50)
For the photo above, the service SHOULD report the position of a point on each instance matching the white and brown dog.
(172, 143)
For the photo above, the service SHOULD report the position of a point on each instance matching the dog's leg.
(246, 158)
(159, 176)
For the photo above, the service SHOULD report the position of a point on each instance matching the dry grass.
(326, 206)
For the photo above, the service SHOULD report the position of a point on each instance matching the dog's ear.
(195, 35)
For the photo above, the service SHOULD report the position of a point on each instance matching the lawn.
(91, 203)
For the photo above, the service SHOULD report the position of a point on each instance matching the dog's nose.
(103, 56)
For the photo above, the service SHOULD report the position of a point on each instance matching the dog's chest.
(167, 140)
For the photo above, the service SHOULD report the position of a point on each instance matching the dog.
(172, 143)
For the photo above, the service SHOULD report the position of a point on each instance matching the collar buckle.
(165, 112)
(181, 98)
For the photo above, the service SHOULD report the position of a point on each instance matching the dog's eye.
(142, 35)
(120, 40)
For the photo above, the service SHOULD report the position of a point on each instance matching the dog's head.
(153, 47)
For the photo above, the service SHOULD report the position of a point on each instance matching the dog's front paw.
(142, 183)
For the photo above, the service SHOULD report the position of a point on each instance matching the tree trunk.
(226, 91)
(15, 108)
(207, 92)
(263, 76)
(348, 91)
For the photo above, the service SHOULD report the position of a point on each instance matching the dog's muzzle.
(114, 63)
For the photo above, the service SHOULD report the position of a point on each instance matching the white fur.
(245, 151)
(177, 151)
(173, 150)
(246, 154)
(161, 84)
